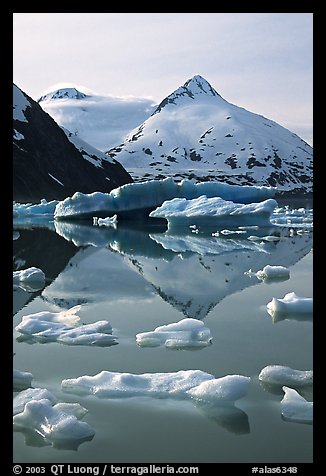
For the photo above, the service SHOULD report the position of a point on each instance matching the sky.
(260, 61)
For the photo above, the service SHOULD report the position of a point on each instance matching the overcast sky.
(259, 61)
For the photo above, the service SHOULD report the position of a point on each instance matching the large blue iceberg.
(147, 196)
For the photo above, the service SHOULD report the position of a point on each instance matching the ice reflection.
(34, 438)
(229, 417)
(191, 272)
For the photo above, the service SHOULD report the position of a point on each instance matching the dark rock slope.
(46, 164)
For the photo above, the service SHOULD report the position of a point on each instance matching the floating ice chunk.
(97, 333)
(186, 333)
(21, 380)
(280, 375)
(264, 238)
(61, 327)
(232, 232)
(229, 389)
(108, 221)
(184, 384)
(290, 304)
(254, 238)
(114, 384)
(15, 235)
(212, 212)
(67, 317)
(249, 227)
(296, 408)
(271, 273)
(22, 398)
(41, 329)
(58, 425)
(32, 278)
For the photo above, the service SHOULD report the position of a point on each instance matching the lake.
(138, 279)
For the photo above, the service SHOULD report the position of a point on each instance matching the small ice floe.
(185, 334)
(270, 273)
(264, 238)
(21, 380)
(63, 327)
(229, 232)
(184, 384)
(290, 305)
(232, 232)
(108, 221)
(229, 389)
(249, 227)
(58, 425)
(280, 375)
(22, 398)
(30, 279)
(296, 408)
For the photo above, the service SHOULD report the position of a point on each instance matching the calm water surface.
(138, 280)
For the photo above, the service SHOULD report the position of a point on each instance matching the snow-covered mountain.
(63, 93)
(51, 163)
(103, 121)
(195, 133)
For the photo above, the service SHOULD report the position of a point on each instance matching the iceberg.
(183, 384)
(31, 279)
(185, 334)
(151, 194)
(296, 408)
(21, 380)
(214, 212)
(62, 327)
(29, 209)
(58, 425)
(280, 375)
(290, 305)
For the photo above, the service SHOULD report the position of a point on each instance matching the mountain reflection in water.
(192, 272)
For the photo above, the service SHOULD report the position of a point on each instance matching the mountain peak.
(63, 93)
(194, 87)
(199, 85)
